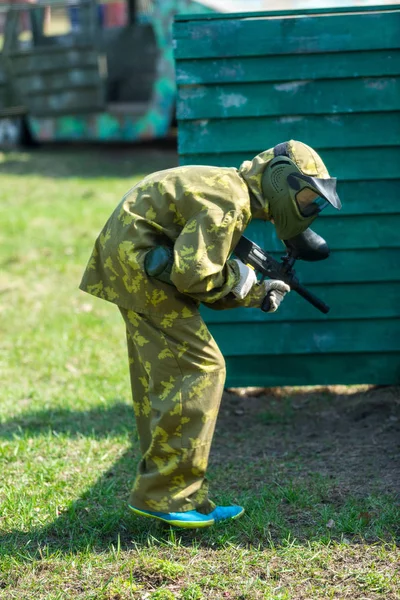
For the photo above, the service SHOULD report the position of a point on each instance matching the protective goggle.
(324, 188)
(314, 208)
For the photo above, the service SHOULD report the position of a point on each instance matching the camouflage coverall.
(177, 371)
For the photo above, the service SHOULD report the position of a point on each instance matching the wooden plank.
(345, 266)
(377, 63)
(323, 131)
(350, 368)
(3, 74)
(10, 31)
(289, 12)
(347, 301)
(361, 232)
(330, 337)
(297, 35)
(56, 47)
(67, 102)
(350, 266)
(13, 111)
(56, 82)
(369, 197)
(289, 98)
(360, 163)
(344, 232)
(50, 62)
(11, 103)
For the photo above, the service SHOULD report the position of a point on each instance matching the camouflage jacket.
(201, 212)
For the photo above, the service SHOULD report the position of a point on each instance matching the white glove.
(277, 290)
(247, 279)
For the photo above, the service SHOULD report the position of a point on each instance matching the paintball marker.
(307, 246)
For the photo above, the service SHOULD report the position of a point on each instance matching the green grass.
(68, 447)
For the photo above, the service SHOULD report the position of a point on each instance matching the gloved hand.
(247, 279)
(276, 290)
(259, 291)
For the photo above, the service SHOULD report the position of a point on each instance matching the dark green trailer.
(330, 78)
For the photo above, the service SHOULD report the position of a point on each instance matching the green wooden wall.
(330, 79)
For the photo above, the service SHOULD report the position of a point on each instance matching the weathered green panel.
(45, 62)
(355, 265)
(50, 83)
(358, 232)
(313, 337)
(265, 36)
(310, 369)
(347, 302)
(348, 232)
(332, 81)
(298, 97)
(10, 101)
(56, 75)
(377, 63)
(65, 102)
(68, 88)
(215, 135)
(290, 12)
(370, 197)
(359, 163)
(348, 266)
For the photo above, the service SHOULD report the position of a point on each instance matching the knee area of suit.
(218, 363)
(213, 366)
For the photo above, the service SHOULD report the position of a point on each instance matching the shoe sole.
(183, 524)
(231, 518)
(238, 516)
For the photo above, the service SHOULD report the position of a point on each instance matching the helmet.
(298, 187)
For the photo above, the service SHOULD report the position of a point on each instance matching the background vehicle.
(89, 70)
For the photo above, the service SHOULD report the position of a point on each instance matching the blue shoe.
(188, 519)
(226, 513)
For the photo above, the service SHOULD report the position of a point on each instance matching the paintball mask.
(295, 169)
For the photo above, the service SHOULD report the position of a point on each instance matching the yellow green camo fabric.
(177, 371)
(201, 211)
(177, 378)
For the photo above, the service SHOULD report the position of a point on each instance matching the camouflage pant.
(177, 376)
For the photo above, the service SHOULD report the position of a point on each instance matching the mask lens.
(314, 208)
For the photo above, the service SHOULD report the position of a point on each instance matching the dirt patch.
(350, 434)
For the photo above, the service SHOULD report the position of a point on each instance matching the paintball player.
(194, 216)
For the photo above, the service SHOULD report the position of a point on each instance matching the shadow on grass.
(279, 476)
(91, 160)
(98, 422)
(94, 521)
